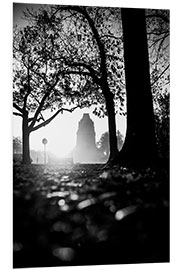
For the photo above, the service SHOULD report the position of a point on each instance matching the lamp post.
(44, 141)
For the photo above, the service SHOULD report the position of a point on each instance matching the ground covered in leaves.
(88, 215)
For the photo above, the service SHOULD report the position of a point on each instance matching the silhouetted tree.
(141, 97)
(91, 44)
(17, 145)
(83, 47)
(37, 82)
(81, 26)
(139, 146)
(162, 126)
(103, 143)
(158, 35)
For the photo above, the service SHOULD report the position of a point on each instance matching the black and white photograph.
(90, 135)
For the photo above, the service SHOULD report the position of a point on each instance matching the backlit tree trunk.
(110, 106)
(25, 139)
(139, 146)
(112, 127)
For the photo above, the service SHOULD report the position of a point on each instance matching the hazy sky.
(18, 14)
(61, 132)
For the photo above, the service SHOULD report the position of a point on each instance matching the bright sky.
(61, 132)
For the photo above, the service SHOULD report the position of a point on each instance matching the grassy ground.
(85, 215)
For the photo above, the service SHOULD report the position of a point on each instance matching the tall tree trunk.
(25, 140)
(109, 100)
(112, 127)
(139, 146)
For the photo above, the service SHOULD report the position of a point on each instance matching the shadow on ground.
(85, 215)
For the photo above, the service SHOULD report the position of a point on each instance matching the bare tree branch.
(28, 87)
(17, 114)
(91, 73)
(160, 46)
(110, 36)
(17, 107)
(39, 119)
(157, 33)
(157, 40)
(41, 104)
(52, 117)
(164, 18)
(159, 76)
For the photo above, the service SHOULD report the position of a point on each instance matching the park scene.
(90, 135)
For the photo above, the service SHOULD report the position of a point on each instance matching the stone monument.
(86, 150)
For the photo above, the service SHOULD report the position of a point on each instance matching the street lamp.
(44, 141)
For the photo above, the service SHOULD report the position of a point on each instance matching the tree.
(103, 143)
(85, 45)
(139, 146)
(147, 98)
(157, 24)
(37, 82)
(88, 47)
(158, 43)
(17, 145)
(162, 126)
(96, 63)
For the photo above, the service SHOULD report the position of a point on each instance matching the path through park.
(84, 215)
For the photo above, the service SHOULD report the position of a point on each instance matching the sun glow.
(60, 134)
(62, 131)
(61, 146)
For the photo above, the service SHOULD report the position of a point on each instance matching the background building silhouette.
(86, 150)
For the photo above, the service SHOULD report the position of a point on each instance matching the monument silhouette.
(86, 150)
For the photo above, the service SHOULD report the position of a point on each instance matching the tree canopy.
(80, 33)
(73, 55)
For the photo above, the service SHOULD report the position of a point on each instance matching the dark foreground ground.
(84, 215)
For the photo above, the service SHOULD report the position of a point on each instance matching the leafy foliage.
(41, 79)
(83, 55)
(69, 39)
(78, 47)
(67, 54)
(158, 41)
(163, 126)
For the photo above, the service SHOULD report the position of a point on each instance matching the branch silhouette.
(52, 117)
